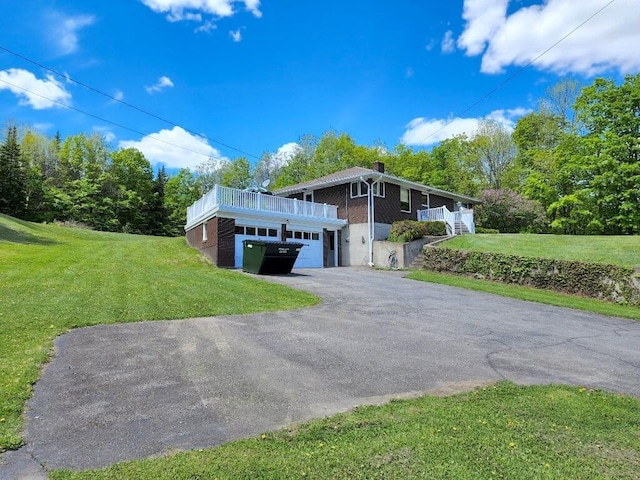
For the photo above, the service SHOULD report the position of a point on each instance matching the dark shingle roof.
(354, 173)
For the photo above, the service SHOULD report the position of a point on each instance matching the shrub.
(409, 230)
(508, 212)
(435, 229)
(486, 230)
(606, 282)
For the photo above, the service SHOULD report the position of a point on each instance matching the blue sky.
(224, 78)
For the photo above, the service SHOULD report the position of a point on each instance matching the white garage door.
(309, 257)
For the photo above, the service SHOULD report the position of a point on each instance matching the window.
(297, 235)
(405, 199)
(204, 232)
(289, 234)
(262, 232)
(306, 235)
(239, 230)
(307, 196)
(251, 230)
(315, 236)
(425, 200)
(361, 189)
(378, 189)
(273, 232)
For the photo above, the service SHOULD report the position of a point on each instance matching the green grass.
(527, 293)
(502, 431)
(621, 250)
(53, 279)
(618, 250)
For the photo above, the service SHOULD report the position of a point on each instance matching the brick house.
(337, 217)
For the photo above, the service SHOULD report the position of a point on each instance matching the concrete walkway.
(129, 391)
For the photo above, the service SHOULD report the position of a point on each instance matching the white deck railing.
(464, 217)
(241, 200)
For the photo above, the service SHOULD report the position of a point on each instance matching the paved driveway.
(135, 390)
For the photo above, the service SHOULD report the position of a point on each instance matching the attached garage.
(222, 219)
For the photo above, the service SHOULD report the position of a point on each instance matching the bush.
(509, 212)
(409, 230)
(486, 230)
(605, 282)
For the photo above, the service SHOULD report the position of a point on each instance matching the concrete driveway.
(135, 390)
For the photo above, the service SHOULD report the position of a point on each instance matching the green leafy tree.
(495, 152)
(610, 114)
(13, 179)
(180, 192)
(132, 184)
(237, 174)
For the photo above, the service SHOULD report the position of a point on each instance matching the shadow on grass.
(15, 236)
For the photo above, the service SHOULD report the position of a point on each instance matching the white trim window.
(405, 200)
(307, 196)
(361, 189)
(205, 236)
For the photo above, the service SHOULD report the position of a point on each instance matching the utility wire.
(111, 97)
(150, 135)
(517, 72)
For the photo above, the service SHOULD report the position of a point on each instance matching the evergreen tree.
(158, 216)
(13, 197)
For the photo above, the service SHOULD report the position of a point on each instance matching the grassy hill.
(620, 250)
(54, 278)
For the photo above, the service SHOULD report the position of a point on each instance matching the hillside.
(614, 249)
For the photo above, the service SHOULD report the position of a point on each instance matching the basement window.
(204, 232)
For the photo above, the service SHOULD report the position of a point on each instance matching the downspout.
(371, 217)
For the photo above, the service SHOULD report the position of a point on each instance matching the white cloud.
(236, 35)
(118, 95)
(603, 43)
(34, 92)
(484, 18)
(192, 10)
(285, 153)
(162, 83)
(421, 131)
(206, 27)
(431, 45)
(176, 148)
(448, 45)
(64, 30)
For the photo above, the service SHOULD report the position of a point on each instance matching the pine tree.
(13, 196)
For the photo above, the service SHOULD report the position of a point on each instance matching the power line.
(517, 72)
(150, 135)
(111, 97)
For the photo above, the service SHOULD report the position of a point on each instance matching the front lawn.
(54, 278)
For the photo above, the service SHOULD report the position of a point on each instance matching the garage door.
(309, 257)
(311, 254)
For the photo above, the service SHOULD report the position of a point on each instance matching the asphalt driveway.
(136, 390)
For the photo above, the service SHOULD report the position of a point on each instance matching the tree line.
(571, 166)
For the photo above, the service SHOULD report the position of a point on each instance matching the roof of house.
(356, 173)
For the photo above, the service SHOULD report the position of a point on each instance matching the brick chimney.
(378, 167)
